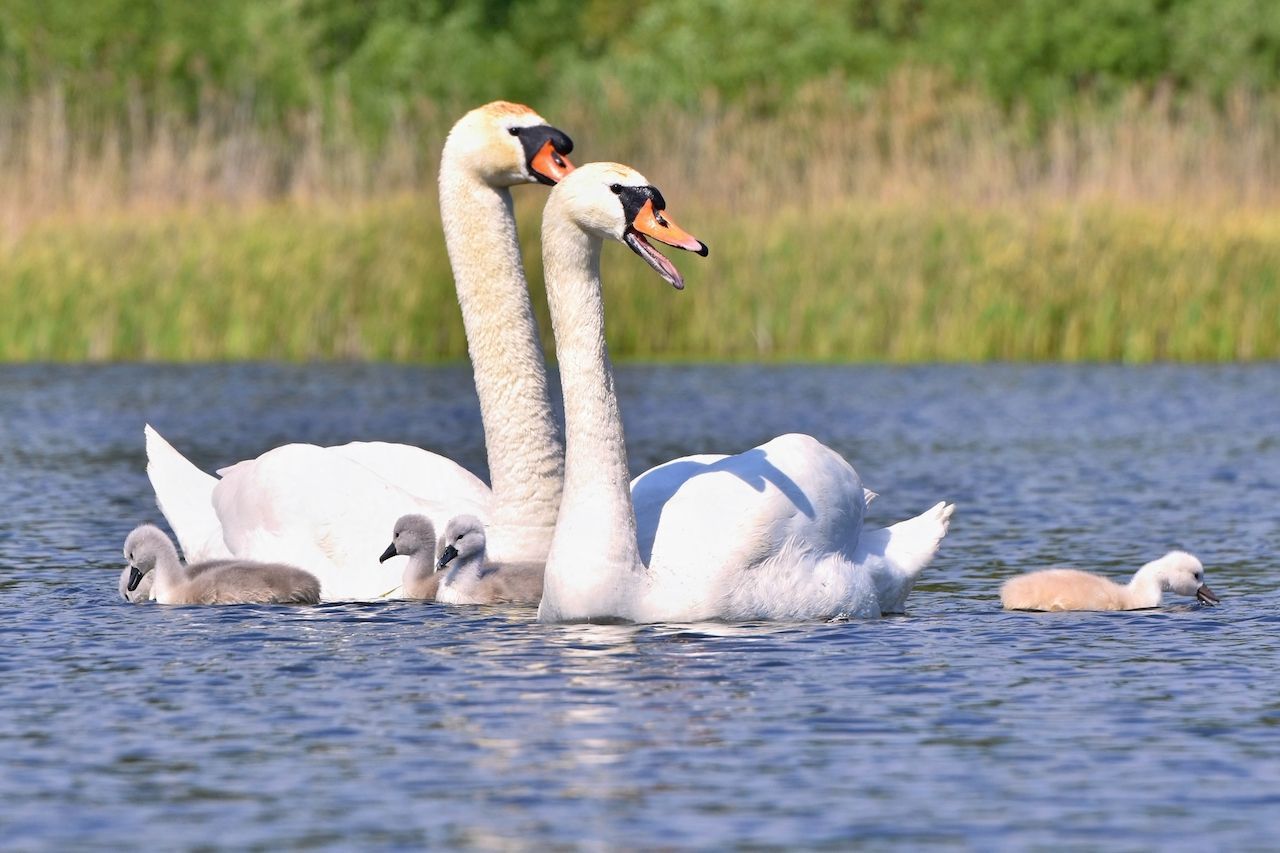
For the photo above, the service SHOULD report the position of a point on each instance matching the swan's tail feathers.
(184, 494)
(913, 543)
(868, 496)
(896, 555)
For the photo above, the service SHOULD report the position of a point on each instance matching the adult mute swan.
(772, 533)
(1072, 589)
(149, 551)
(327, 508)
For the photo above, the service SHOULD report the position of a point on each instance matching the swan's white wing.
(321, 510)
(418, 472)
(184, 493)
(755, 533)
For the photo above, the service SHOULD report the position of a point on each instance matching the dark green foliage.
(276, 59)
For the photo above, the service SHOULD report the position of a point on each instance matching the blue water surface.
(402, 725)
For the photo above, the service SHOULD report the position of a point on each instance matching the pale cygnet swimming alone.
(415, 537)
(469, 578)
(1071, 589)
(150, 552)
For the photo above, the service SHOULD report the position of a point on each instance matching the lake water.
(399, 725)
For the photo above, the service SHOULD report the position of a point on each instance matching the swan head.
(507, 144)
(413, 534)
(142, 549)
(615, 202)
(1182, 573)
(463, 538)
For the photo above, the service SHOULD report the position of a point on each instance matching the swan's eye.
(459, 537)
(616, 188)
(514, 131)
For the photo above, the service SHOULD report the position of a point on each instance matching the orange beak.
(550, 163)
(653, 223)
(662, 228)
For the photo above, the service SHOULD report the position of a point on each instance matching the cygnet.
(415, 537)
(1071, 589)
(469, 578)
(149, 551)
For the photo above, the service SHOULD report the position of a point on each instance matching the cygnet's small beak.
(446, 556)
(1204, 595)
(388, 554)
(135, 578)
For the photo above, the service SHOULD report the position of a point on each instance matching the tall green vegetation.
(878, 179)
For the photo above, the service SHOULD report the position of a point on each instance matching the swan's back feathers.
(1062, 589)
(243, 582)
(497, 583)
(184, 495)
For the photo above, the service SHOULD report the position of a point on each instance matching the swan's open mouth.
(653, 257)
(649, 222)
(1204, 595)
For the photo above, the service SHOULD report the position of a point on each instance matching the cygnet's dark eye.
(617, 189)
(514, 131)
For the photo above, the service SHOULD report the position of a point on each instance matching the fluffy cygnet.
(415, 537)
(150, 552)
(470, 579)
(1071, 589)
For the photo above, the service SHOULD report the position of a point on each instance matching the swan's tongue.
(653, 258)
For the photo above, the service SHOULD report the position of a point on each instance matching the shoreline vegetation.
(878, 180)
(919, 228)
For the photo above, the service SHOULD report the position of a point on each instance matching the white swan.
(414, 537)
(1072, 589)
(149, 551)
(326, 507)
(773, 533)
(470, 576)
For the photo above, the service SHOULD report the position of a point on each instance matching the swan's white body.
(328, 509)
(773, 533)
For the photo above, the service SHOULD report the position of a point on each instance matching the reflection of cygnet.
(150, 552)
(140, 593)
(415, 537)
(1071, 589)
(469, 579)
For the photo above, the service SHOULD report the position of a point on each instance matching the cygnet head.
(463, 539)
(508, 144)
(413, 534)
(143, 547)
(615, 202)
(1182, 573)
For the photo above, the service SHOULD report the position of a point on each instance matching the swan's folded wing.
(184, 494)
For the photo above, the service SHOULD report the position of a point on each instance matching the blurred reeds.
(923, 224)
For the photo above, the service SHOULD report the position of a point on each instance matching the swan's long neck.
(520, 435)
(1146, 588)
(170, 573)
(419, 569)
(594, 556)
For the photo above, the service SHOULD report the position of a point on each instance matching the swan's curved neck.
(520, 434)
(169, 571)
(594, 555)
(1146, 588)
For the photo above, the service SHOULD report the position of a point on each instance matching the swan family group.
(773, 533)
